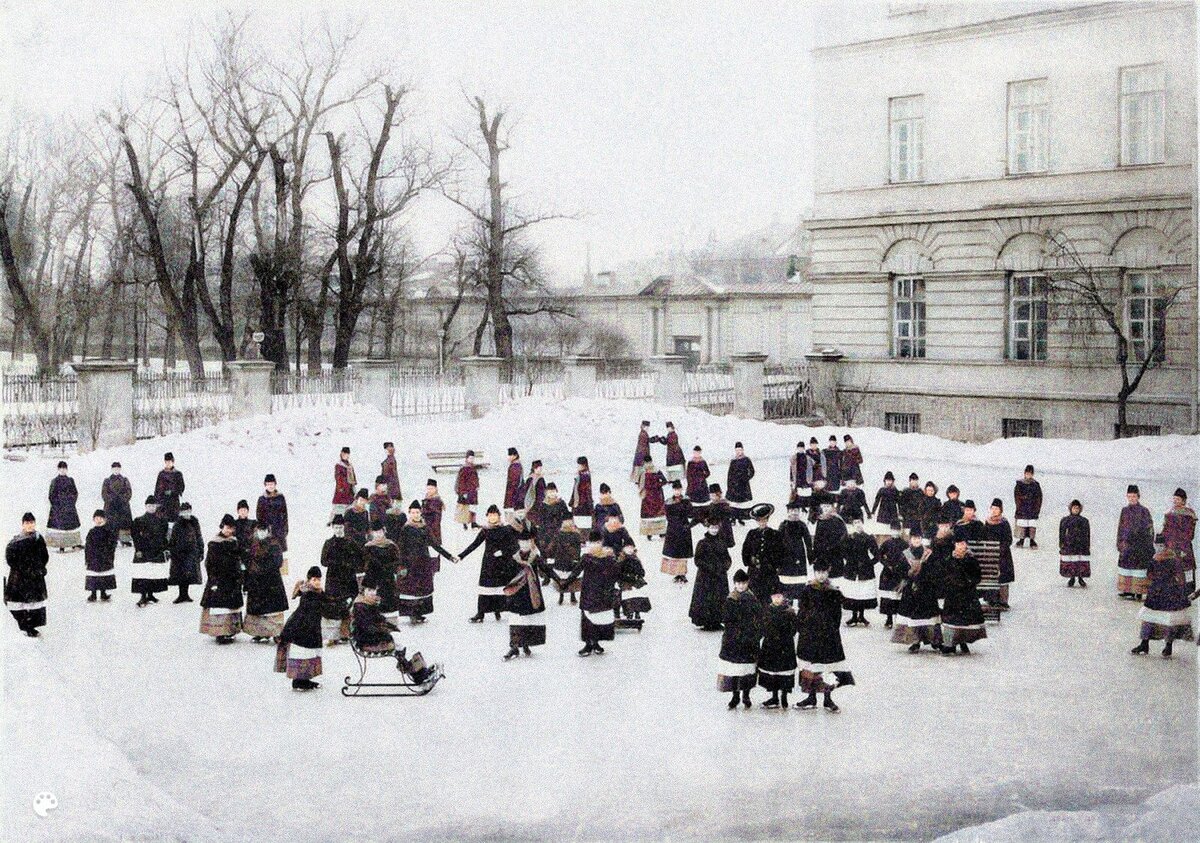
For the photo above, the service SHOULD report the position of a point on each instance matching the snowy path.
(185, 739)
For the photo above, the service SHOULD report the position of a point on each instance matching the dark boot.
(144, 601)
(587, 649)
(224, 639)
(92, 597)
(596, 648)
(1167, 648)
(1141, 649)
(574, 601)
(830, 705)
(808, 702)
(1082, 582)
(512, 653)
(966, 650)
(183, 595)
(1071, 583)
(745, 698)
(1032, 537)
(888, 623)
(151, 598)
(105, 596)
(476, 618)
(915, 647)
(783, 695)
(773, 702)
(561, 597)
(527, 651)
(497, 614)
(733, 701)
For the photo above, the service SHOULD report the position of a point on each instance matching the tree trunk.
(23, 304)
(170, 357)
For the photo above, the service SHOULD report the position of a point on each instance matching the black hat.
(389, 444)
(185, 506)
(151, 499)
(493, 510)
(227, 520)
(968, 504)
(762, 510)
(242, 505)
(270, 478)
(339, 520)
(605, 488)
(896, 526)
(713, 520)
(800, 444)
(581, 461)
(812, 440)
(1159, 538)
(551, 485)
(594, 536)
(929, 483)
(470, 453)
(737, 444)
(951, 488)
(847, 438)
(1179, 493)
(741, 576)
(345, 450)
(794, 503)
(414, 505)
(512, 452)
(99, 513)
(676, 484)
(645, 423)
(379, 478)
(364, 494)
(913, 476)
(1029, 469)
(714, 488)
(370, 582)
(62, 464)
(887, 475)
(314, 571)
(535, 464)
(431, 482)
(833, 439)
(168, 457)
(998, 502)
(1076, 503)
(115, 465)
(671, 425)
(696, 448)
(28, 518)
(1133, 489)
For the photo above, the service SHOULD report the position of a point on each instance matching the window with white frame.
(1143, 114)
(908, 316)
(1021, 428)
(906, 130)
(902, 422)
(1145, 314)
(1027, 317)
(1028, 126)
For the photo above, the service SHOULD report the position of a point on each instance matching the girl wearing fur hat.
(1179, 531)
(62, 527)
(298, 653)
(741, 617)
(1135, 546)
(1075, 546)
(677, 544)
(221, 602)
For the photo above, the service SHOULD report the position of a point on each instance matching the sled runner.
(621, 619)
(988, 555)
(408, 686)
(449, 462)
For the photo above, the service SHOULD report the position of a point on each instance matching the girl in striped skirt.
(299, 651)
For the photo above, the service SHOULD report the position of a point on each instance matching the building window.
(908, 316)
(902, 422)
(1021, 428)
(1137, 430)
(1028, 126)
(1145, 316)
(906, 128)
(1143, 110)
(1027, 307)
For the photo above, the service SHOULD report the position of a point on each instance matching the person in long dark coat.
(818, 497)
(894, 569)
(969, 527)
(797, 542)
(597, 620)
(653, 516)
(910, 504)
(414, 590)
(852, 502)
(390, 471)
(357, 519)
(712, 578)
(150, 573)
(675, 455)
(298, 653)
(383, 564)
(266, 597)
(763, 552)
(1135, 544)
(379, 503)
(741, 472)
(562, 558)
(997, 529)
(526, 628)
(117, 494)
(186, 544)
(25, 586)
(606, 507)
(815, 467)
(1179, 530)
(499, 547)
(631, 579)
(243, 529)
(221, 602)
(641, 452)
(741, 617)
(466, 492)
(1166, 614)
(549, 518)
(828, 544)
(777, 659)
(962, 616)
(514, 483)
(344, 484)
(851, 460)
(581, 493)
(819, 641)
(533, 491)
(677, 543)
(342, 559)
(62, 527)
(394, 520)
(431, 511)
(860, 553)
(1027, 496)
(952, 510)
(833, 465)
(1075, 546)
(886, 507)
(99, 551)
(697, 474)
(918, 617)
(272, 510)
(614, 535)
(168, 489)
(724, 511)
(930, 510)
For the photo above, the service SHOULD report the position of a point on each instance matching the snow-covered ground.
(144, 729)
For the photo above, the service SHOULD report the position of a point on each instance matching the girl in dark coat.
(1179, 530)
(918, 618)
(221, 602)
(777, 660)
(266, 598)
(597, 621)
(390, 471)
(466, 492)
(499, 547)
(117, 495)
(299, 651)
(797, 543)
(342, 559)
(1135, 544)
(886, 507)
(712, 578)
(549, 517)
(431, 511)
(1075, 546)
(895, 567)
(741, 616)
(952, 510)
(725, 513)
(818, 498)
(997, 529)
(1027, 495)
(741, 472)
(382, 556)
(168, 489)
(414, 590)
(763, 552)
(641, 452)
(910, 504)
(380, 502)
(186, 544)
(631, 579)
(25, 586)
(525, 603)
(562, 557)
(581, 493)
(62, 527)
(677, 544)
(851, 460)
(99, 552)
(357, 519)
(962, 616)
(514, 484)
(1166, 615)
(860, 553)
(852, 502)
(819, 641)
(272, 510)
(697, 477)
(833, 465)
(150, 570)
(653, 521)
(928, 511)
(606, 507)
(243, 530)
(828, 544)
(674, 453)
(344, 483)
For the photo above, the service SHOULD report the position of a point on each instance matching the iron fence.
(420, 392)
(40, 411)
(710, 388)
(787, 392)
(175, 402)
(334, 388)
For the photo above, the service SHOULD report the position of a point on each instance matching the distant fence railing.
(787, 392)
(175, 402)
(40, 411)
(330, 388)
(421, 392)
(638, 386)
(710, 388)
(620, 370)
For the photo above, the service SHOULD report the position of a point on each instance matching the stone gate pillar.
(250, 388)
(481, 377)
(669, 387)
(373, 383)
(748, 372)
(825, 374)
(105, 416)
(579, 376)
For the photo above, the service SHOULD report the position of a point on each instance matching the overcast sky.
(659, 122)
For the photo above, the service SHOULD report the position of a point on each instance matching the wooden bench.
(449, 462)
(988, 555)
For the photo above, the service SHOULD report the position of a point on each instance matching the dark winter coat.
(368, 626)
(675, 456)
(243, 531)
(383, 566)
(149, 534)
(1027, 495)
(223, 567)
(27, 557)
(117, 492)
(342, 559)
(1168, 590)
(641, 451)
(816, 503)
(779, 639)
(696, 483)
(895, 566)
(581, 494)
(549, 519)
(1179, 531)
(919, 595)
(533, 493)
(599, 581)
(393, 524)
(860, 553)
(971, 531)
(524, 589)
(815, 467)
(951, 511)
(272, 511)
(414, 556)
(737, 482)
(265, 594)
(187, 553)
(391, 474)
(741, 616)
(1075, 536)
(343, 483)
(615, 540)
(724, 511)
(852, 505)
(959, 581)
(818, 625)
(763, 554)
(1001, 531)
(466, 485)
(887, 505)
(357, 525)
(168, 492)
(303, 628)
(852, 465)
(833, 468)
(378, 505)
(431, 514)
(677, 543)
(63, 497)
(562, 554)
(931, 508)
(99, 551)
(514, 497)
(797, 541)
(828, 540)
(712, 581)
(1135, 538)
(604, 509)
(500, 545)
(651, 489)
(910, 507)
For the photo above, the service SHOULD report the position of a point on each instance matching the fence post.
(825, 367)
(373, 384)
(748, 384)
(250, 388)
(105, 416)
(481, 377)
(669, 388)
(579, 376)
